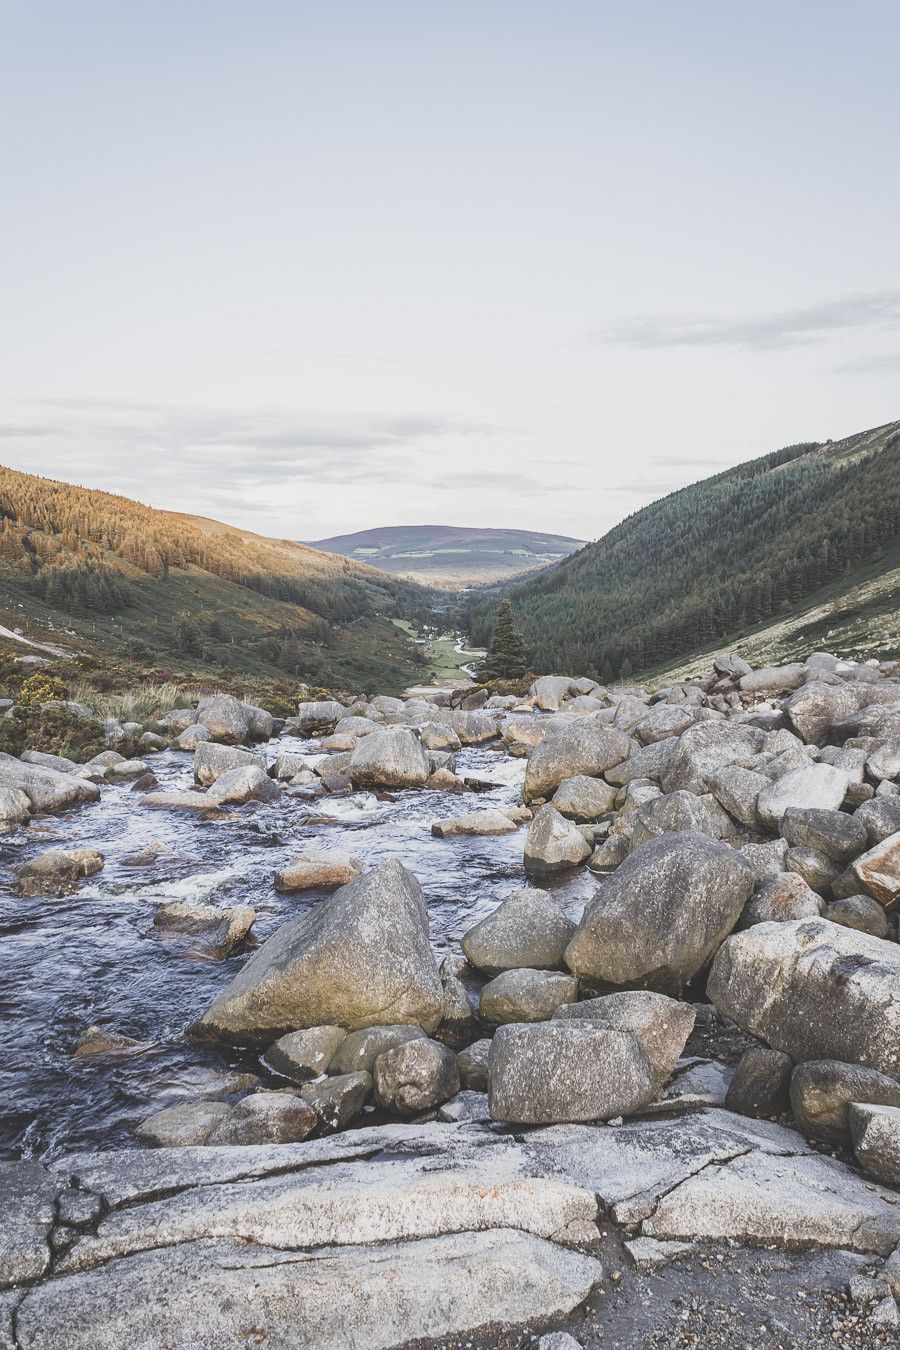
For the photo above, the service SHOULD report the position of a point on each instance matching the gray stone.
(737, 790)
(586, 747)
(679, 811)
(860, 912)
(389, 758)
(772, 679)
(417, 1076)
(819, 872)
(553, 844)
(211, 761)
(822, 1090)
(581, 798)
(839, 836)
(760, 1084)
(528, 929)
(650, 762)
(472, 1064)
(265, 1118)
(305, 1054)
(15, 808)
(484, 822)
(661, 1024)
(880, 818)
(878, 871)
(358, 1053)
(46, 790)
(816, 785)
(318, 869)
(317, 715)
(661, 916)
(778, 899)
(187, 1124)
(238, 786)
(226, 719)
(360, 958)
(706, 748)
(27, 1213)
(338, 1101)
(875, 1132)
(885, 761)
(526, 995)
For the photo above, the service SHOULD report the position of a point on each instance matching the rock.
(358, 1053)
(813, 990)
(553, 843)
(192, 737)
(875, 1132)
(737, 790)
(567, 1071)
(317, 716)
(813, 710)
(238, 786)
(318, 869)
(817, 871)
(460, 1023)
(437, 737)
(58, 762)
(651, 762)
(817, 785)
(96, 1042)
(679, 811)
(338, 1101)
(883, 762)
(490, 821)
(225, 718)
(878, 871)
(860, 912)
(662, 721)
(465, 1106)
(659, 919)
(46, 790)
(178, 719)
(822, 1090)
(550, 692)
(28, 1195)
(361, 958)
(389, 758)
(442, 780)
(838, 836)
(732, 665)
(772, 679)
(526, 995)
(229, 927)
(472, 1065)
(767, 860)
(584, 799)
(416, 1076)
(185, 1125)
(585, 748)
(265, 1118)
(706, 748)
(648, 1253)
(528, 929)
(880, 818)
(778, 899)
(180, 801)
(212, 761)
(15, 808)
(305, 1054)
(262, 723)
(661, 1024)
(760, 1083)
(57, 871)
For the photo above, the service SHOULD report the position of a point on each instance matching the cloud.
(687, 462)
(870, 365)
(486, 478)
(762, 332)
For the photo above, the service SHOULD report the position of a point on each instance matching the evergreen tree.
(506, 658)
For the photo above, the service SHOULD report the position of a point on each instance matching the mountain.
(797, 548)
(102, 573)
(449, 556)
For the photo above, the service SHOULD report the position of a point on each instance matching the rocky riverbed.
(461, 1020)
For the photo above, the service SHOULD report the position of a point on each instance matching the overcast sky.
(312, 266)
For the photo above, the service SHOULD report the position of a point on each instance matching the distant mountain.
(103, 573)
(798, 548)
(450, 556)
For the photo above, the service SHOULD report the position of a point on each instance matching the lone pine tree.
(506, 658)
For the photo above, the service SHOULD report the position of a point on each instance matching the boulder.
(819, 872)
(358, 1053)
(679, 811)
(211, 761)
(819, 786)
(880, 818)
(486, 822)
(527, 930)
(662, 915)
(883, 762)
(814, 990)
(56, 872)
(650, 762)
(661, 1024)
(822, 1090)
(460, 1023)
(361, 958)
(760, 1083)
(813, 710)
(833, 833)
(553, 843)
(878, 871)
(737, 790)
(265, 1118)
(662, 721)
(860, 912)
(183, 1126)
(434, 736)
(305, 1054)
(772, 679)
(318, 869)
(778, 899)
(472, 1063)
(15, 808)
(417, 1076)
(46, 790)
(706, 748)
(316, 716)
(389, 758)
(262, 723)
(193, 736)
(226, 719)
(58, 762)
(526, 995)
(875, 1132)
(583, 799)
(585, 747)
(95, 1042)
(229, 927)
(338, 1101)
(550, 692)
(236, 787)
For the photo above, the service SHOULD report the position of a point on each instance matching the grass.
(137, 703)
(442, 661)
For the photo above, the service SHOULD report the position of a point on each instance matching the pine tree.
(506, 658)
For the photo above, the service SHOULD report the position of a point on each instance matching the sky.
(315, 267)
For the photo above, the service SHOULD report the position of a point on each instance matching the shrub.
(56, 731)
(40, 688)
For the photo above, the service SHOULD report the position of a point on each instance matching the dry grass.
(140, 703)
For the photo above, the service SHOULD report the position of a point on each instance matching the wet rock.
(185, 1125)
(338, 1101)
(528, 929)
(778, 899)
(360, 958)
(878, 871)
(97, 1042)
(236, 787)
(302, 1055)
(584, 748)
(358, 1053)
(860, 912)
(567, 1071)
(46, 789)
(443, 780)
(584, 799)
(822, 1090)
(416, 1076)
(819, 786)
(526, 995)
(226, 719)
(760, 1084)
(265, 1118)
(318, 869)
(658, 920)
(15, 808)
(835, 834)
(814, 990)
(57, 871)
(487, 822)
(472, 1065)
(706, 748)
(212, 761)
(229, 927)
(146, 782)
(553, 843)
(389, 758)
(875, 1132)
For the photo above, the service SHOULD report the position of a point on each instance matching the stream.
(95, 957)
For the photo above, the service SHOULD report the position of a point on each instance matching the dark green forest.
(711, 560)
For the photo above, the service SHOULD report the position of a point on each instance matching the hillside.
(797, 548)
(102, 573)
(450, 556)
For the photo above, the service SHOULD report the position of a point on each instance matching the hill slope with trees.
(724, 557)
(94, 567)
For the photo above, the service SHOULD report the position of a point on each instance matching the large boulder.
(875, 1131)
(661, 1024)
(584, 747)
(527, 930)
(772, 679)
(212, 760)
(15, 808)
(662, 915)
(238, 786)
(878, 871)
(680, 811)
(818, 786)
(225, 718)
(359, 1051)
(779, 899)
(550, 692)
(581, 798)
(46, 789)
(526, 995)
(822, 1090)
(707, 747)
(317, 715)
(553, 844)
(832, 833)
(361, 958)
(814, 709)
(880, 818)
(389, 758)
(814, 990)
(417, 1076)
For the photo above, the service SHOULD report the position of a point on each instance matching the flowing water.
(96, 958)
